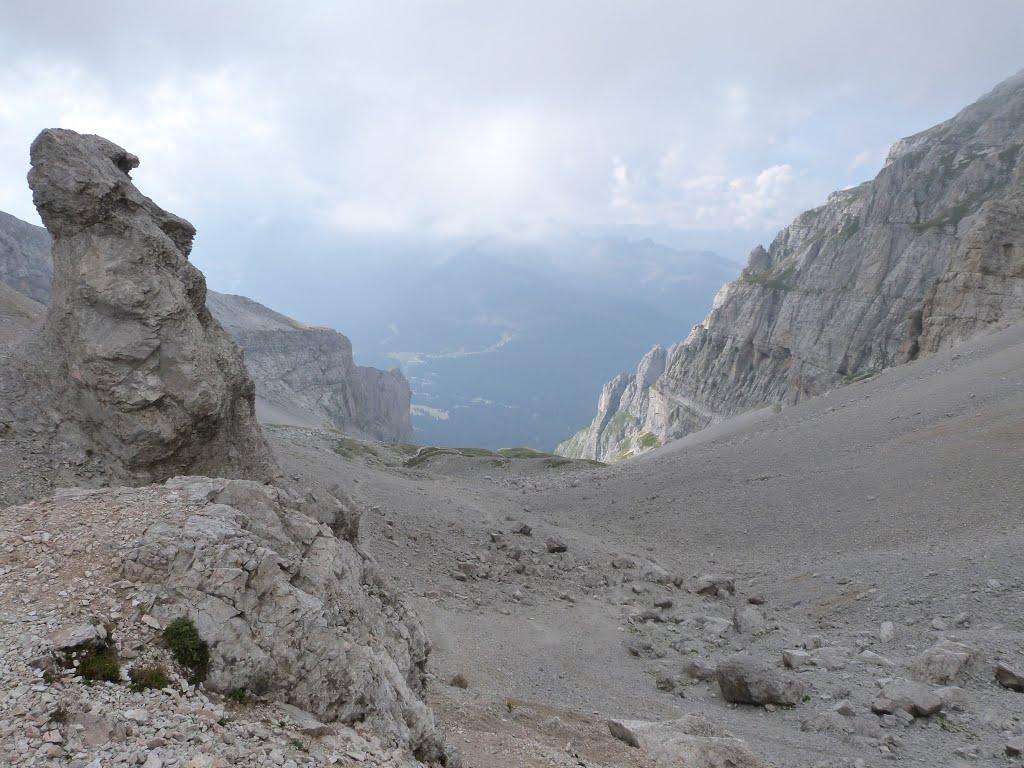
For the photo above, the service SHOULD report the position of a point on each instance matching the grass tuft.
(188, 648)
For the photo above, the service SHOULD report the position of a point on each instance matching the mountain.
(503, 340)
(927, 254)
(304, 375)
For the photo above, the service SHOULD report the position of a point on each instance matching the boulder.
(713, 583)
(78, 636)
(691, 741)
(1008, 677)
(944, 663)
(748, 620)
(914, 698)
(152, 383)
(555, 545)
(745, 679)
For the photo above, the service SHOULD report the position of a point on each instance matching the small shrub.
(59, 715)
(99, 664)
(509, 705)
(459, 681)
(148, 678)
(238, 695)
(188, 648)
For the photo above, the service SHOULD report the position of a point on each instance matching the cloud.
(462, 119)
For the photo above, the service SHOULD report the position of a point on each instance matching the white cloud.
(463, 119)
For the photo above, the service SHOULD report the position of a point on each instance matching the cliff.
(306, 376)
(927, 254)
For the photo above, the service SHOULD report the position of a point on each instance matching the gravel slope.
(894, 499)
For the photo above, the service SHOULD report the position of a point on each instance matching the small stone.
(522, 529)
(136, 715)
(758, 598)
(1008, 677)
(713, 583)
(887, 632)
(664, 603)
(1015, 747)
(150, 621)
(748, 620)
(554, 545)
(795, 659)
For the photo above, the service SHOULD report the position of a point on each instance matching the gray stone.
(887, 632)
(748, 620)
(1008, 677)
(265, 586)
(713, 583)
(944, 663)
(555, 545)
(80, 635)
(691, 741)
(915, 698)
(745, 679)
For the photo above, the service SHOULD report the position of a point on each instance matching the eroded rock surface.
(305, 375)
(130, 379)
(927, 254)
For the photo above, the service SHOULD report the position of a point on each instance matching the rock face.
(130, 376)
(290, 606)
(297, 619)
(306, 376)
(627, 403)
(25, 258)
(927, 254)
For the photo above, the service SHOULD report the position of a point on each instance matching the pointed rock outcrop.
(131, 376)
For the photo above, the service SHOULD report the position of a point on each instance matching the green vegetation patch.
(152, 678)
(649, 440)
(348, 448)
(188, 648)
(772, 280)
(99, 664)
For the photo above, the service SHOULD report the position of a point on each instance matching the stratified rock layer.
(305, 375)
(927, 254)
(130, 378)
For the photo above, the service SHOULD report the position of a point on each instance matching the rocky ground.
(859, 551)
(865, 550)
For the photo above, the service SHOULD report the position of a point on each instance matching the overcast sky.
(451, 119)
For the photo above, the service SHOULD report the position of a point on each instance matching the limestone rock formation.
(290, 606)
(130, 373)
(294, 613)
(306, 376)
(25, 263)
(927, 254)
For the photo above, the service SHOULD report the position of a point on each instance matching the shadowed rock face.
(144, 369)
(927, 254)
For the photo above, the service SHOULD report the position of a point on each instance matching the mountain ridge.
(928, 253)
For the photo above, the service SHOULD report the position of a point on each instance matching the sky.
(361, 123)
